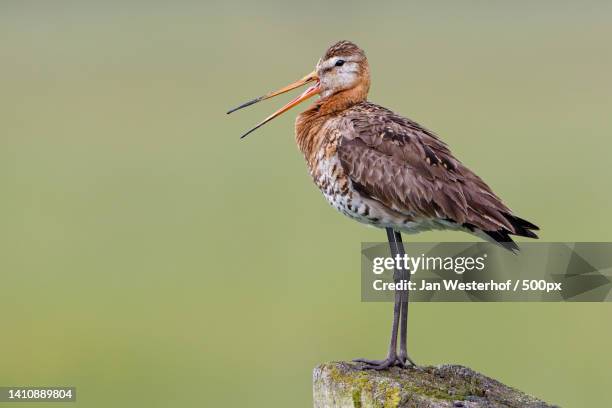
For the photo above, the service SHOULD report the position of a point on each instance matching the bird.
(387, 171)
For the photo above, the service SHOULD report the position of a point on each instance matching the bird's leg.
(403, 354)
(392, 357)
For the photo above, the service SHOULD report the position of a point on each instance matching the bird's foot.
(402, 361)
(406, 360)
(378, 365)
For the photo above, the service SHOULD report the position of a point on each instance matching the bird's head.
(344, 67)
(343, 72)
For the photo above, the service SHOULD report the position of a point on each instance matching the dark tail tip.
(502, 237)
(522, 228)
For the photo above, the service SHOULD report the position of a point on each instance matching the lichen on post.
(346, 385)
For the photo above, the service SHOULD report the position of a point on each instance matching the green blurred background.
(151, 258)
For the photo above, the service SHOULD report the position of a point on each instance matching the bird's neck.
(344, 99)
(308, 126)
(308, 133)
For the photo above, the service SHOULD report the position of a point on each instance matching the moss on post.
(344, 385)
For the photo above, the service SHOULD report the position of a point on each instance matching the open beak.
(311, 91)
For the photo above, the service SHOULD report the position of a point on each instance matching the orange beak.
(311, 91)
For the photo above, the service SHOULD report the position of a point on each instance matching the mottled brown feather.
(409, 169)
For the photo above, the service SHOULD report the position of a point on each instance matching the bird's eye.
(339, 63)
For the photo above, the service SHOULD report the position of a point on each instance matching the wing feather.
(409, 169)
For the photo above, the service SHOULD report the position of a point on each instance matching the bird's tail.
(522, 228)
